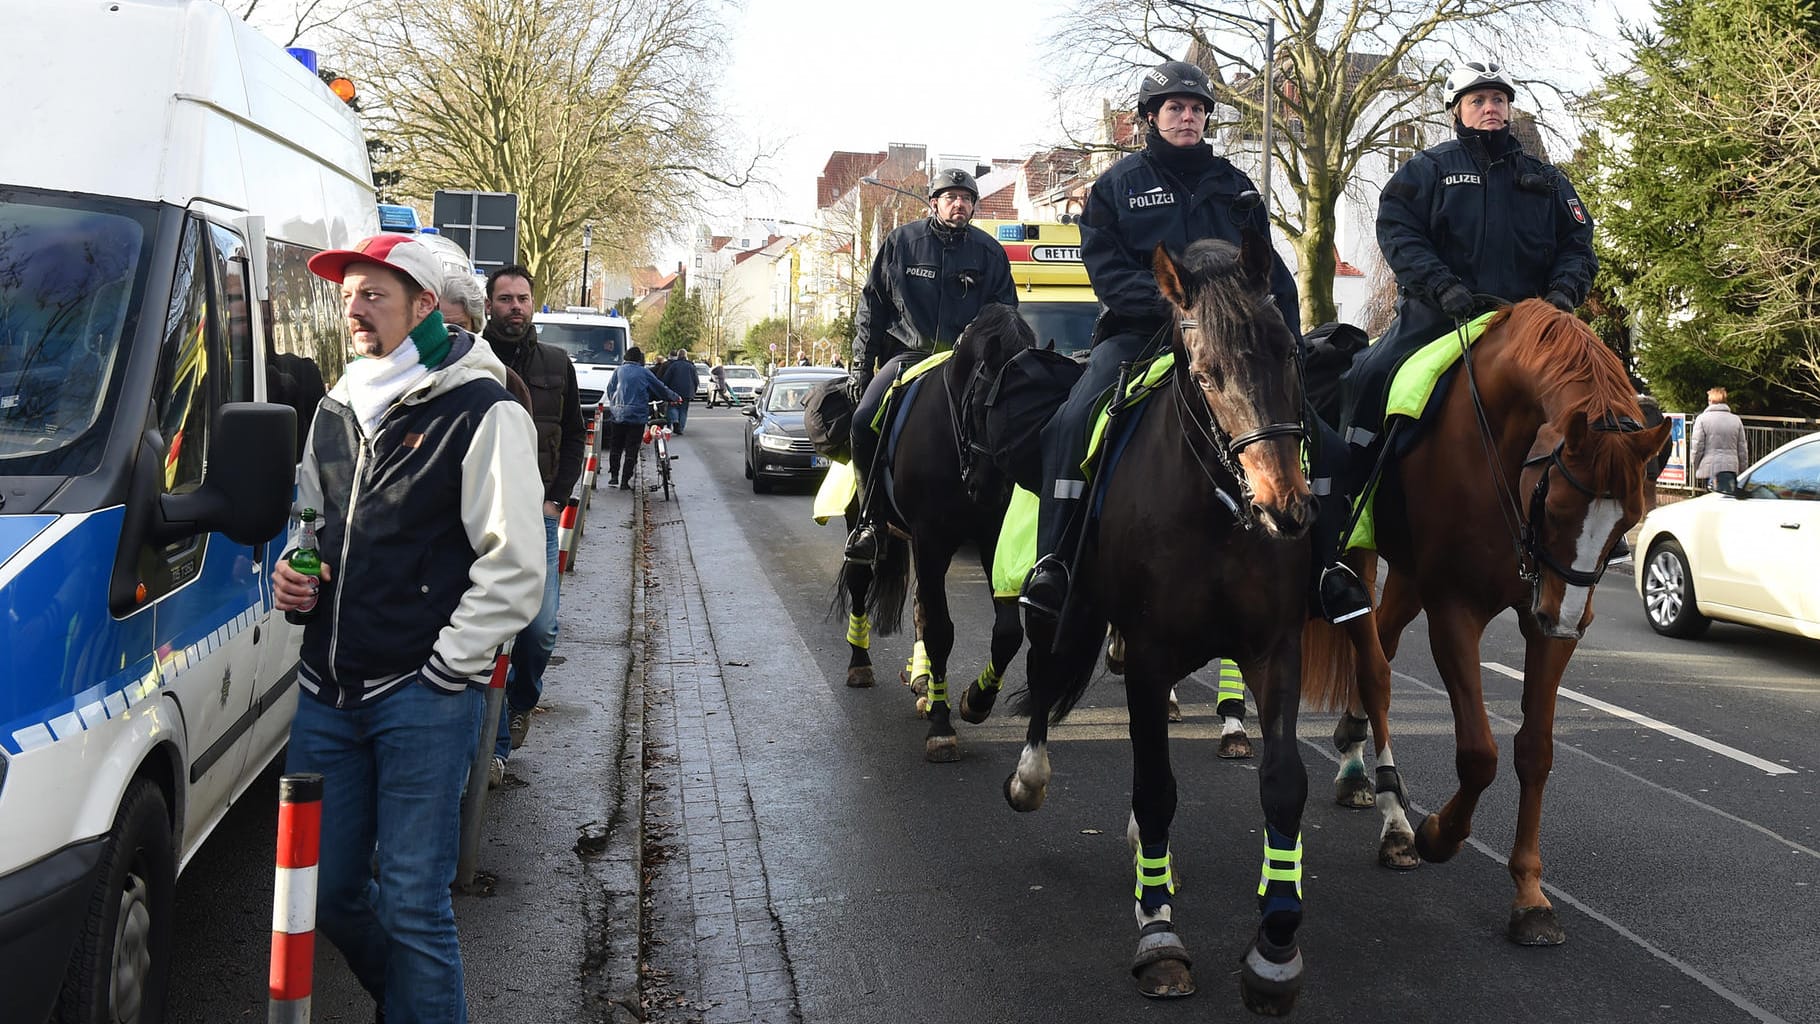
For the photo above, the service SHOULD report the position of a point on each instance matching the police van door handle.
(1791, 526)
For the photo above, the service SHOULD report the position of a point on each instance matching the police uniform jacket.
(1507, 224)
(1139, 203)
(923, 291)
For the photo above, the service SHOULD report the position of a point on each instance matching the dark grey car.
(777, 448)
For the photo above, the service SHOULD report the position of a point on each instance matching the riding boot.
(1339, 593)
(862, 543)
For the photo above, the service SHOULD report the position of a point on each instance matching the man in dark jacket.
(561, 448)
(928, 282)
(1172, 192)
(679, 375)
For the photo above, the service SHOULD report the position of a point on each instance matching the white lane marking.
(1715, 746)
(1556, 892)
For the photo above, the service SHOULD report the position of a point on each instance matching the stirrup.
(862, 544)
(1342, 594)
(1045, 590)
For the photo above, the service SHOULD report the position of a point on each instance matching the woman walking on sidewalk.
(629, 399)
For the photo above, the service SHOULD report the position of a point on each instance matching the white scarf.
(375, 384)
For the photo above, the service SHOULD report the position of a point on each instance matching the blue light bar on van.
(401, 219)
(305, 56)
(1010, 232)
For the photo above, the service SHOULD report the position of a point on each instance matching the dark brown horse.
(1200, 553)
(1512, 499)
(939, 507)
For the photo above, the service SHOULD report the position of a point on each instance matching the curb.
(619, 871)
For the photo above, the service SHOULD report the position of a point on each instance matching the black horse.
(1200, 553)
(940, 499)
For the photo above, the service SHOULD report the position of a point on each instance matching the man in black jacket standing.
(681, 376)
(929, 281)
(561, 448)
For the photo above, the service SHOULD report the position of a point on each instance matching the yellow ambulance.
(1053, 294)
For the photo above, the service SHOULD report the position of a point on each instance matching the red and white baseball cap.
(403, 253)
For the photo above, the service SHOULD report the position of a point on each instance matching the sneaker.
(1342, 594)
(496, 773)
(518, 725)
(1046, 589)
(626, 484)
(862, 545)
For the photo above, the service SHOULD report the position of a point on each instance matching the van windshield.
(586, 343)
(72, 274)
(1069, 325)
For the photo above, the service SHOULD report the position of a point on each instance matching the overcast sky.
(963, 77)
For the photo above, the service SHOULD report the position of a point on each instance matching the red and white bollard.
(565, 536)
(294, 898)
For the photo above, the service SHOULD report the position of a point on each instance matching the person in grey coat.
(1719, 453)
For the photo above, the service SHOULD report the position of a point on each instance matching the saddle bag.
(1327, 353)
(828, 418)
(1027, 392)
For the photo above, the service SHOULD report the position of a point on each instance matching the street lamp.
(587, 239)
(1269, 25)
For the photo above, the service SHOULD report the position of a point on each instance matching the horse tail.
(1329, 667)
(890, 585)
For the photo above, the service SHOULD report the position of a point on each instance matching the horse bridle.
(1226, 447)
(1526, 530)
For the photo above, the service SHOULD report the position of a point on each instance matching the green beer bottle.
(305, 561)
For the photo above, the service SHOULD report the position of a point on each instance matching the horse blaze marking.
(1715, 746)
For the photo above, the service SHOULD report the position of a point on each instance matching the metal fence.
(1762, 435)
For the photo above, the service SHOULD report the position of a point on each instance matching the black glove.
(1558, 299)
(1456, 301)
(857, 382)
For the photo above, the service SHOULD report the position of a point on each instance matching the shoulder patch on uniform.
(1574, 207)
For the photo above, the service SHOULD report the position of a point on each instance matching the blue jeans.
(679, 417)
(531, 652)
(392, 779)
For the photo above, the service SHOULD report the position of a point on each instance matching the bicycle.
(657, 432)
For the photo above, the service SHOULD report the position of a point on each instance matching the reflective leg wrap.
(1155, 884)
(989, 679)
(1232, 688)
(919, 661)
(938, 691)
(1280, 884)
(859, 632)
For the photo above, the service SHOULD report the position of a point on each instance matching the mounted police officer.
(1174, 191)
(928, 282)
(1472, 216)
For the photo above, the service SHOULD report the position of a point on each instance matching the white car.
(596, 343)
(704, 379)
(1748, 557)
(744, 382)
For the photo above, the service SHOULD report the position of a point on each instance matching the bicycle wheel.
(663, 463)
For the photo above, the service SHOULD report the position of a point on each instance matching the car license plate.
(818, 461)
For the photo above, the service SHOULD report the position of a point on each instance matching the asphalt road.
(1687, 876)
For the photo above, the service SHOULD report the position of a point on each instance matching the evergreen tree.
(1708, 194)
(681, 324)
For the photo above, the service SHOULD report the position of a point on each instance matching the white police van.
(596, 343)
(162, 346)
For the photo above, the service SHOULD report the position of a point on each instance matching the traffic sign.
(484, 224)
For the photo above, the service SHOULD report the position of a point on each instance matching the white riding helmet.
(1477, 74)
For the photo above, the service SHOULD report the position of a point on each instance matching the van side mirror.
(246, 492)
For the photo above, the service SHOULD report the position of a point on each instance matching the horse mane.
(996, 332)
(1218, 284)
(1567, 360)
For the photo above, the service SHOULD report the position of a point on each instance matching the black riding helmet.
(951, 178)
(1176, 78)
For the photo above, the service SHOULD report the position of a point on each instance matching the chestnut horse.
(1512, 498)
(1201, 553)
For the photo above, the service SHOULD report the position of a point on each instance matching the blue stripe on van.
(69, 665)
(17, 531)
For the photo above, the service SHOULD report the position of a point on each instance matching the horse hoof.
(1175, 710)
(1165, 979)
(1023, 799)
(1428, 843)
(860, 677)
(976, 709)
(918, 685)
(942, 749)
(1354, 791)
(1397, 851)
(1269, 989)
(1535, 926)
(1235, 746)
(922, 707)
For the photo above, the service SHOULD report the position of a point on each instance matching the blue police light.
(400, 219)
(1010, 232)
(305, 56)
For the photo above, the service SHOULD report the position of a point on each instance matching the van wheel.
(122, 961)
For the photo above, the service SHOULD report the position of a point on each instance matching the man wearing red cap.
(424, 472)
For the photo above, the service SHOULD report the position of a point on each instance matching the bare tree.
(590, 110)
(290, 20)
(1351, 79)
